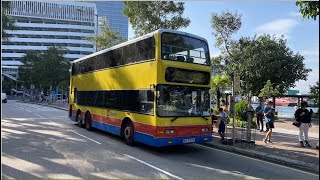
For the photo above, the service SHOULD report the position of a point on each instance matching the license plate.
(189, 140)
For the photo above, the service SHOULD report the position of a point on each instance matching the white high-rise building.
(44, 24)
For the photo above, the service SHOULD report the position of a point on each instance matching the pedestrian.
(259, 115)
(213, 119)
(222, 117)
(224, 106)
(311, 112)
(269, 119)
(303, 116)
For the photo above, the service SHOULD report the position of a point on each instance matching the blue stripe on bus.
(148, 139)
(106, 127)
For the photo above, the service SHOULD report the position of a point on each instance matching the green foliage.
(108, 37)
(241, 109)
(224, 25)
(243, 124)
(218, 83)
(309, 9)
(314, 92)
(216, 110)
(265, 57)
(148, 16)
(44, 69)
(217, 64)
(7, 23)
(269, 90)
(256, 59)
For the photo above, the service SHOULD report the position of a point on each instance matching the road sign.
(237, 83)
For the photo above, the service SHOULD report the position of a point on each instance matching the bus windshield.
(176, 47)
(182, 101)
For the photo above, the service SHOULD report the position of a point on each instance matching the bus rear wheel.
(128, 133)
(79, 119)
(88, 121)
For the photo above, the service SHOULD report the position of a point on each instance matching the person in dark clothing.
(303, 116)
(311, 112)
(213, 119)
(259, 115)
(222, 117)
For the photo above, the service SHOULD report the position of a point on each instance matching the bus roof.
(138, 39)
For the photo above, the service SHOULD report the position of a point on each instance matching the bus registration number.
(189, 140)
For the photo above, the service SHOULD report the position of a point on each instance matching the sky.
(279, 18)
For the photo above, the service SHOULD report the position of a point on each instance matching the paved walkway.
(285, 144)
(284, 149)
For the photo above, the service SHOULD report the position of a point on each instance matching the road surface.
(41, 142)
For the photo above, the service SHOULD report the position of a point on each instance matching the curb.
(48, 105)
(313, 168)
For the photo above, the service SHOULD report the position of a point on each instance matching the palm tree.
(218, 84)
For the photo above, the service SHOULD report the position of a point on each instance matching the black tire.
(128, 133)
(79, 119)
(88, 121)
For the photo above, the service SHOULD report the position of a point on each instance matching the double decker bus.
(153, 89)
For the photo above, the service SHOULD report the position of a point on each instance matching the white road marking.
(39, 116)
(163, 171)
(258, 160)
(56, 123)
(85, 136)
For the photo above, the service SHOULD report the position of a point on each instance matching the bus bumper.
(159, 142)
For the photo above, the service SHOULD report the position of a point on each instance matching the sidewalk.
(284, 150)
(58, 104)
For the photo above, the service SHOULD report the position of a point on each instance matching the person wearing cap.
(269, 119)
(303, 116)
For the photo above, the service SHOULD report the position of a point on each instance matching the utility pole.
(232, 110)
(97, 28)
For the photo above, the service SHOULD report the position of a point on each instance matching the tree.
(224, 26)
(7, 23)
(218, 84)
(217, 65)
(54, 67)
(44, 69)
(148, 16)
(309, 9)
(268, 57)
(27, 71)
(269, 90)
(314, 92)
(108, 37)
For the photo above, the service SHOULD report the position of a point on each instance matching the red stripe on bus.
(107, 120)
(156, 131)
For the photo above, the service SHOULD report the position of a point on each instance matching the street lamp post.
(97, 28)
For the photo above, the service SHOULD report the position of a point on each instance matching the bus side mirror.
(150, 95)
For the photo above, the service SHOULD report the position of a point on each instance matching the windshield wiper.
(178, 117)
(205, 118)
(174, 118)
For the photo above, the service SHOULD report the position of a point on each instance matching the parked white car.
(4, 97)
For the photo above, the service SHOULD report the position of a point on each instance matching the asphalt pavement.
(41, 142)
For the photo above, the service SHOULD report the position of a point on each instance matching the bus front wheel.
(128, 133)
